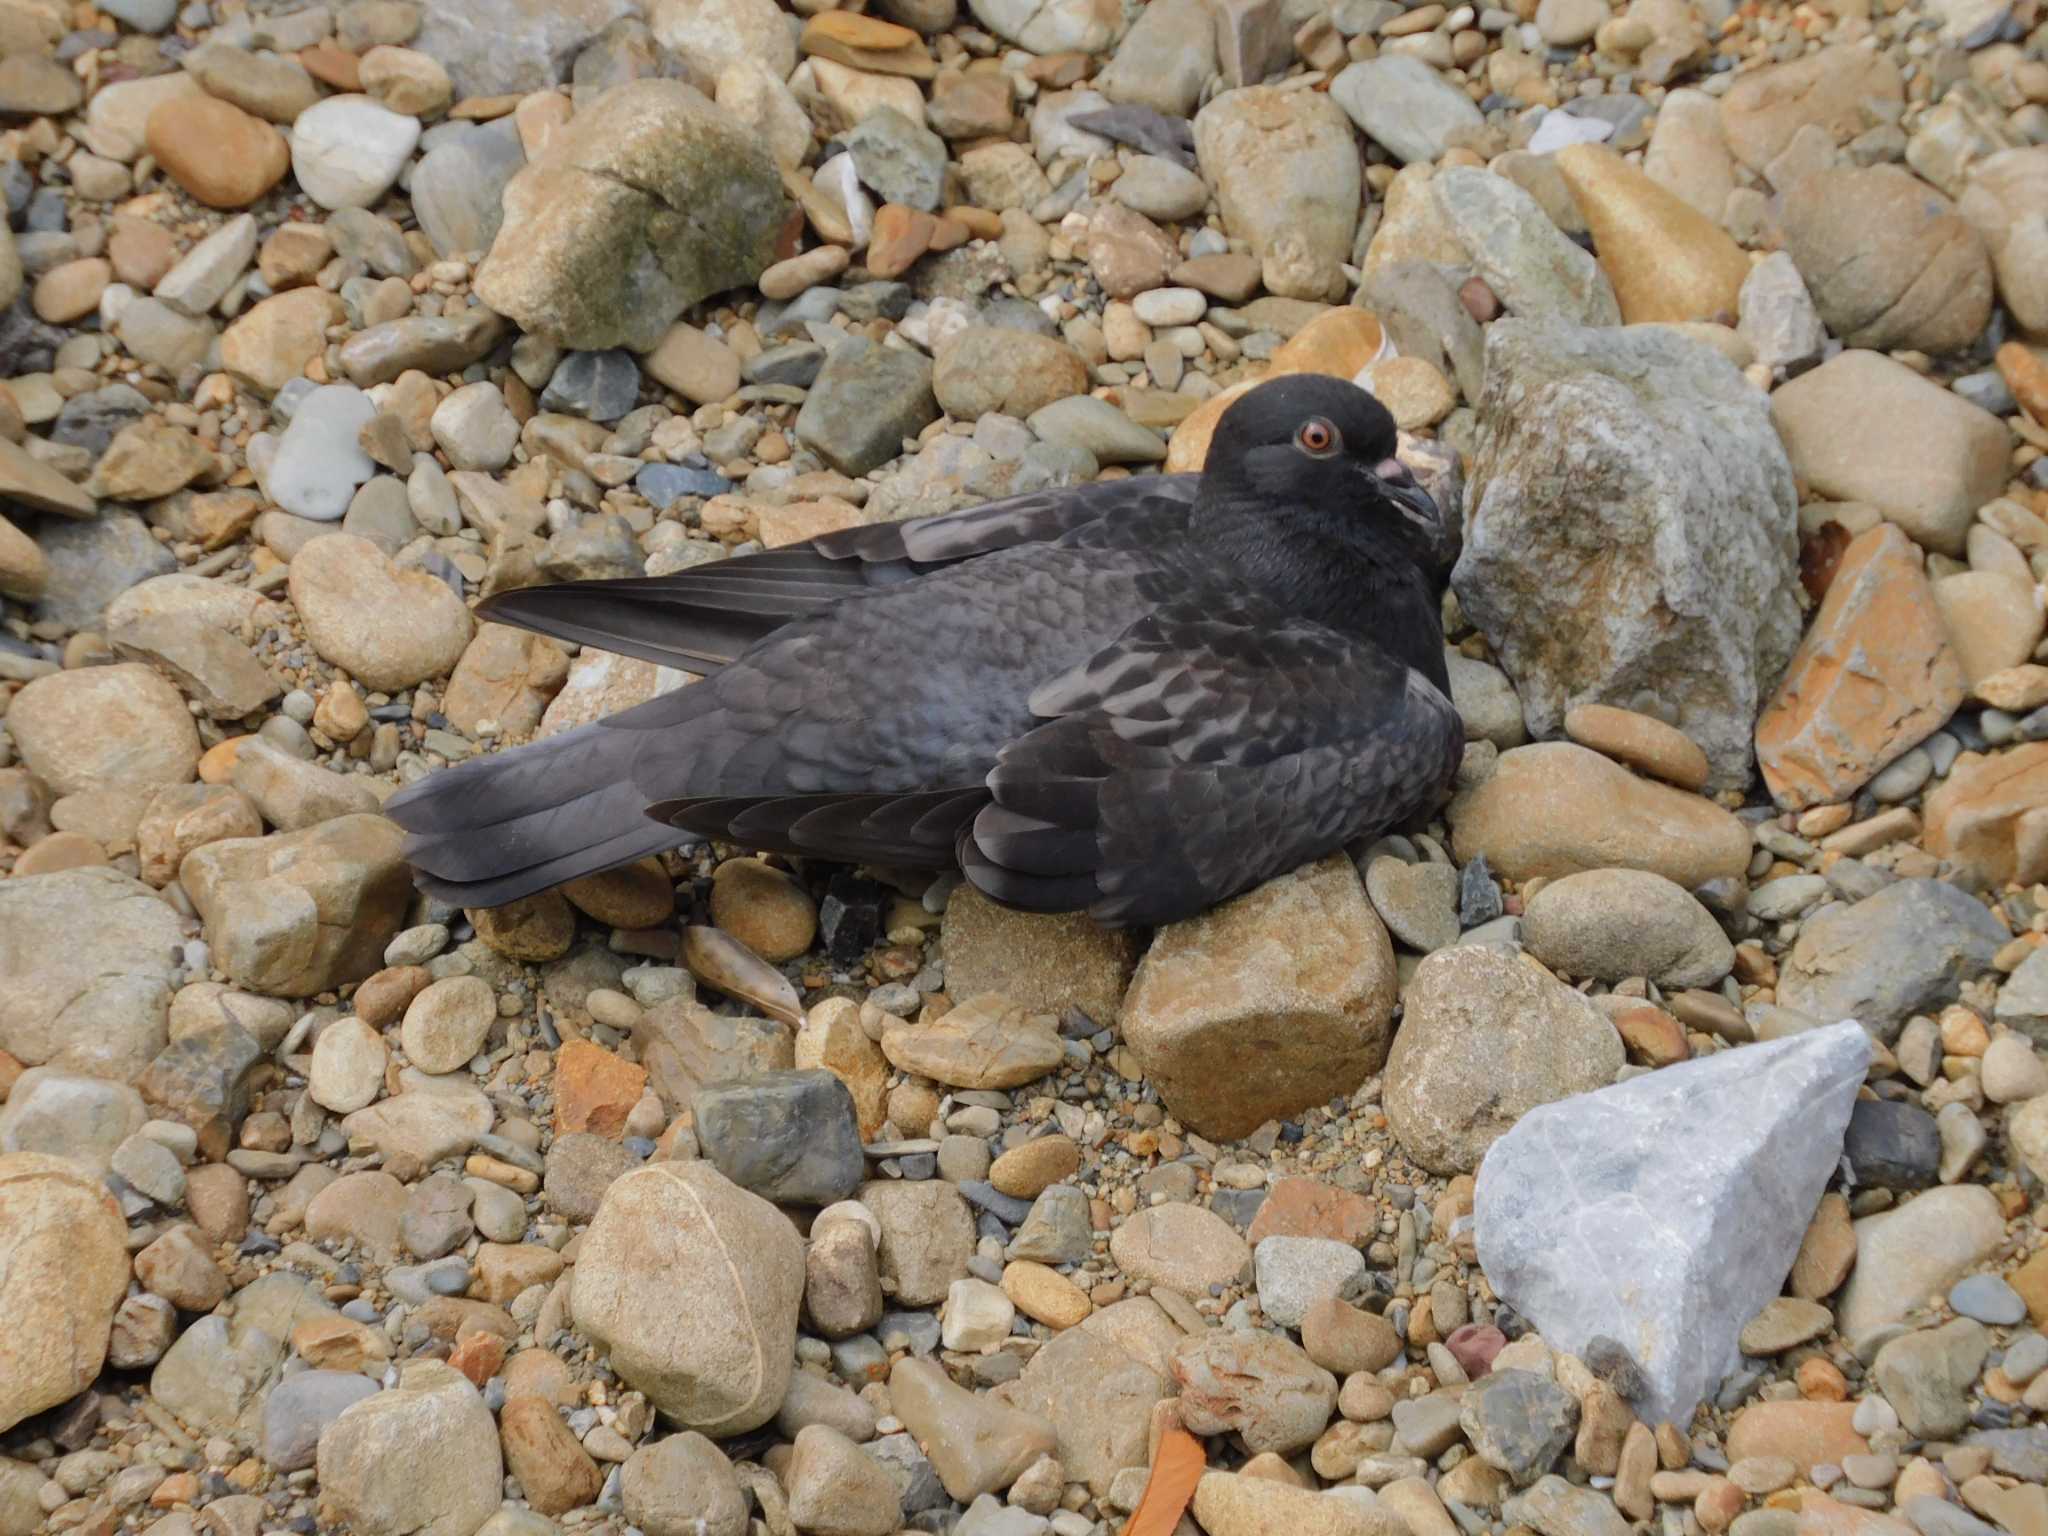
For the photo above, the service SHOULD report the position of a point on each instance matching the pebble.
(1989, 1300)
(319, 462)
(214, 150)
(348, 150)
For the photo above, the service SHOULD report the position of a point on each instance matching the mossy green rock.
(651, 200)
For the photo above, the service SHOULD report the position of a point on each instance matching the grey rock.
(2026, 1356)
(91, 420)
(371, 241)
(794, 362)
(1666, 1210)
(1905, 950)
(866, 401)
(1420, 308)
(601, 386)
(92, 563)
(101, 1009)
(381, 512)
(1405, 106)
(1058, 1230)
(1486, 701)
(1487, 1037)
(790, 1137)
(434, 344)
(320, 460)
(1294, 1273)
(1519, 1422)
(1160, 188)
(917, 1480)
(219, 1373)
(491, 47)
(625, 50)
(2020, 1453)
(1611, 924)
(1426, 1426)
(1536, 269)
(1777, 315)
(151, 1169)
(1926, 1376)
(989, 1516)
(904, 162)
(1554, 1507)
(84, 1119)
(1667, 461)
(300, 1407)
(592, 549)
(1892, 1145)
(1165, 59)
(666, 484)
(143, 15)
(1916, 1250)
(1931, 1516)
(153, 332)
(458, 186)
(1988, 1299)
(2023, 999)
(436, 1218)
(1098, 427)
(1417, 902)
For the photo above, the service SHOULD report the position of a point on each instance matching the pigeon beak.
(1400, 490)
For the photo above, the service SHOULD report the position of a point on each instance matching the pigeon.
(1138, 697)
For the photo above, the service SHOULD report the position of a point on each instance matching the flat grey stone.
(1405, 106)
(1908, 949)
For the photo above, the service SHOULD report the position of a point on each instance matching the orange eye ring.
(1318, 438)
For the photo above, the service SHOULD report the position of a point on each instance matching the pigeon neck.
(1333, 572)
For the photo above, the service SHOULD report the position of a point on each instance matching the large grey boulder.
(651, 199)
(1663, 1212)
(1631, 531)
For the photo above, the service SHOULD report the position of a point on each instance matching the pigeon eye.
(1317, 438)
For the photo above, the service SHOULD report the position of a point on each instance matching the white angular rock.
(1665, 1211)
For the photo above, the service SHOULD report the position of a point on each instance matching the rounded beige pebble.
(348, 1066)
(764, 908)
(1639, 741)
(1045, 1295)
(1025, 1172)
(448, 1023)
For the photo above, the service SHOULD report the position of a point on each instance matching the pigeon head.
(1311, 441)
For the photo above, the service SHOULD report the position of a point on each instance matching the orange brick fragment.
(595, 1090)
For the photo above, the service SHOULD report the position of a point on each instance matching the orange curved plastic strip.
(1175, 1471)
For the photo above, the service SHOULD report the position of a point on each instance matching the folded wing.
(1204, 751)
(701, 619)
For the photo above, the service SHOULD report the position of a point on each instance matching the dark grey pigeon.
(1138, 697)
